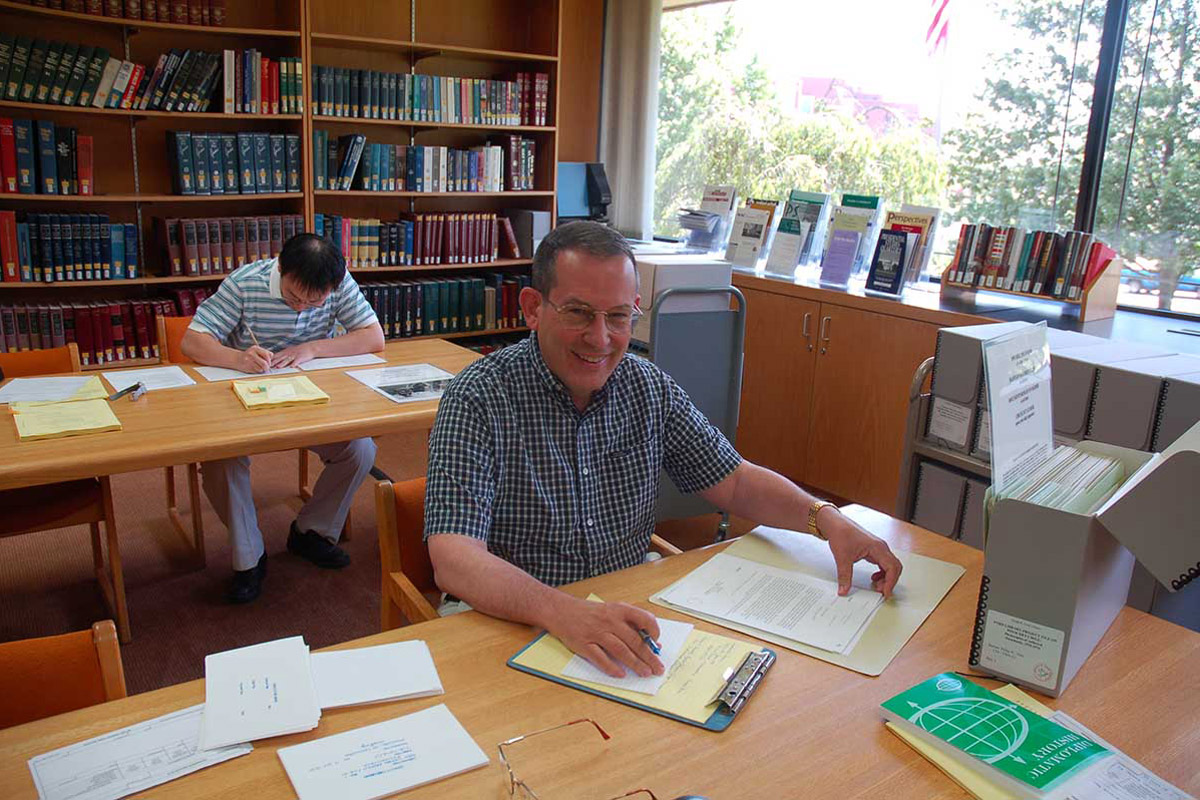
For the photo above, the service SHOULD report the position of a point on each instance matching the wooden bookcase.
(463, 38)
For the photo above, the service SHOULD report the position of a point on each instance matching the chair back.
(401, 532)
(55, 674)
(170, 336)
(40, 362)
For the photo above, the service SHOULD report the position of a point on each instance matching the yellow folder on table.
(294, 390)
(68, 418)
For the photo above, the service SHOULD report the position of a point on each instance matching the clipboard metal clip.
(740, 685)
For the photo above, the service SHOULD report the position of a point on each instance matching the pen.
(649, 640)
(136, 389)
(254, 339)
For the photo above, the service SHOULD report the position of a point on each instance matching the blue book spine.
(132, 265)
(408, 242)
(24, 252)
(47, 157)
(89, 249)
(26, 160)
(319, 225)
(117, 236)
(105, 250)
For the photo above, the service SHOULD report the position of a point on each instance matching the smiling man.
(545, 459)
(281, 313)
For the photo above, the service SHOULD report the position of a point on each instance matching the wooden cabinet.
(825, 390)
(865, 364)
(776, 379)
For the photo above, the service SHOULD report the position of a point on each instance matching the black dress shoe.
(317, 549)
(247, 583)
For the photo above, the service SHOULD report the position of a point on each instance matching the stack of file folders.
(693, 219)
(1070, 480)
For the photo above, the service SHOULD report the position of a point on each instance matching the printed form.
(801, 607)
(128, 760)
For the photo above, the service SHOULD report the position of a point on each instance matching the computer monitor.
(572, 190)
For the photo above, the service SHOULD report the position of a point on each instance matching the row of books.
(47, 248)
(219, 245)
(520, 99)
(179, 12)
(447, 305)
(255, 84)
(39, 157)
(353, 163)
(1057, 265)
(233, 163)
(420, 239)
(104, 332)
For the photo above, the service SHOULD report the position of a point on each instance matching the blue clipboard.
(718, 721)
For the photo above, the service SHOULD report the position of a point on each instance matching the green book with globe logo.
(1025, 752)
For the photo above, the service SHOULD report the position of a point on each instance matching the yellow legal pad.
(294, 390)
(68, 418)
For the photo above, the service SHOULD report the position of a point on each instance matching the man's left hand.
(849, 543)
(294, 356)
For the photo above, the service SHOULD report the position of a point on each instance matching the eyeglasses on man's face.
(293, 299)
(519, 789)
(579, 316)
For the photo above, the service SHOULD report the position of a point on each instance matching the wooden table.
(813, 730)
(206, 421)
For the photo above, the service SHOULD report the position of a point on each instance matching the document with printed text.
(153, 377)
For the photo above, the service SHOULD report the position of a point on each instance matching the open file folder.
(924, 583)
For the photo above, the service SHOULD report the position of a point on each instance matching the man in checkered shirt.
(545, 458)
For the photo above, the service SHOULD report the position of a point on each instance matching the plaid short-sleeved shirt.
(250, 298)
(564, 495)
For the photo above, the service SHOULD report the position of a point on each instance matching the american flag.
(939, 24)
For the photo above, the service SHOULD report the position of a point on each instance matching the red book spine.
(95, 7)
(142, 326)
(214, 246)
(217, 13)
(135, 78)
(73, 5)
(133, 9)
(165, 10)
(130, 328)
(195, 9)
(179, 12)
(205, 13)
(265, 87)
(239, 242)
(85, 335)
(8, 156)
(114, 8)
(150, 13)
(8, 246)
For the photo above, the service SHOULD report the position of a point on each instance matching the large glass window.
(980, 108)
(1149, 204)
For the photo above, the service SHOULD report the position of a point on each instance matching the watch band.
(813, 510)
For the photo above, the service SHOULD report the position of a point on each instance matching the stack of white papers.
(226, 374)
(672, 636)
(128, 760)
(258, 691)
(341, 362)
(375, 674)
(153, 377)
(382, 759)
(1071, 480)
(799, 607)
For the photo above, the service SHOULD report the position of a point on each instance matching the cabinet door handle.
(823, 334)
(804, 329)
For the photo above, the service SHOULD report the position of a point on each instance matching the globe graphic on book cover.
(987, 729)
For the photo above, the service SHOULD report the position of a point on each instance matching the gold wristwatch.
(813, 510)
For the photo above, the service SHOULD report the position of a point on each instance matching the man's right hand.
(255, 360)
(607, 634)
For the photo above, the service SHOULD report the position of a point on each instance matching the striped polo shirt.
(250, 299)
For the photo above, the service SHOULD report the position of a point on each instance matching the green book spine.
(40, 70)
(66, 65)
(6, 51)
(860, 201)
(95, 71)
(16, 73)
(79, 70)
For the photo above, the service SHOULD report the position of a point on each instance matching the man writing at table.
(545, 457)
(280, 313)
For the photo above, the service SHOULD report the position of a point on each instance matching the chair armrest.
(412, 603)
(662, 546)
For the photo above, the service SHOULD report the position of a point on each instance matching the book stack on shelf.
(92, 89)
(1074, 268)
(447, 306)
(219, 245)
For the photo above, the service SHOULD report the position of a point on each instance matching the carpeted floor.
(178, 613)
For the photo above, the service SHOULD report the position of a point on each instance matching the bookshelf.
(1098, 301)
(485, 39)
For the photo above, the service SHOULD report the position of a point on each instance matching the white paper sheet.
(1115, 778)
(335, 362)
(42, 389)
(154, 378)
(405, 384)
(128, 760)
(1017, 369)
(258, 691)
(672, 636)
(223, 374)
(382, 759)
(375, 674)
(792, 604)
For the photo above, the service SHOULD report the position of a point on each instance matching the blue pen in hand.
(649, 640)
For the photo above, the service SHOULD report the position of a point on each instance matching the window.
(1150, 179)
(990, 123)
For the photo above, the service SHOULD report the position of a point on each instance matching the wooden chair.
(60, 505)
(170, 338)
(55, 674)
(408, 590)
(170, 335)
